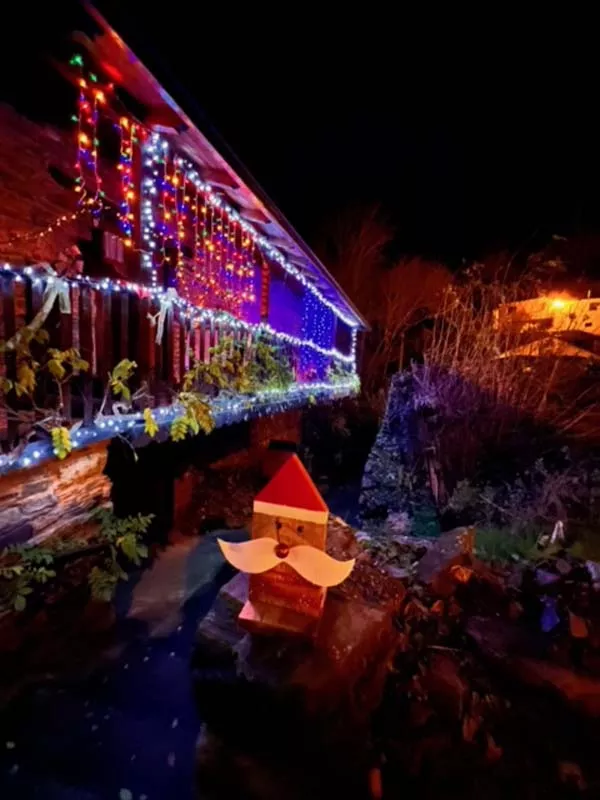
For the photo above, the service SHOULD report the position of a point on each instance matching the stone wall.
(57, 496)
(54, 498)
(33, 156)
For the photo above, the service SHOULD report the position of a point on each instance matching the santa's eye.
(300, 528)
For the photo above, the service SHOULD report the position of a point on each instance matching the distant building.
(557, 325)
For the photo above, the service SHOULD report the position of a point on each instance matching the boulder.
(444, 552)
(514, 652)
(305, 706)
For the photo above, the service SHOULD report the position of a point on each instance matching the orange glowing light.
(124, 122)
(84, 139)
(558, 304)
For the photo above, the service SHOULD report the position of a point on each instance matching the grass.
(502, 546)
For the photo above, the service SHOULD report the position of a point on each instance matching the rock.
(9, 518)
(445, 686)
(39, 503)
(310, 701)
(342, 542)
(509, 648)
(400, 573)
(593, 569)
(15, 534)
(563, 566)
(443, 553)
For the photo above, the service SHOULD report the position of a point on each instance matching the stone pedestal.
(295, 714)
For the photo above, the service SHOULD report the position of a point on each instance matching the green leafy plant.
(340, 373)
(500, 546)
(179, 429)
(33, 359)
(241, 368)
(21, 568)
(150, 424)
(119, 379)
(24, 568)
(61, 442)
(124, 538)
(270, 367)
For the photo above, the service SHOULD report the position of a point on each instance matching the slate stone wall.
(54, 498)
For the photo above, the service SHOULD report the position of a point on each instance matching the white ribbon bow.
(166, 301)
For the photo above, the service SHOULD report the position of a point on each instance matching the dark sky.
(472, 135)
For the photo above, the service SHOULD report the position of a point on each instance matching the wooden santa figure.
(286, 559)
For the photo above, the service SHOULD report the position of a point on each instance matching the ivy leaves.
(21, 567)
(60, 360)
(60, 364)
(25, 379)
(196, 417)
(179, 429)
(124, 537)
(150, 424)
(61, 442)
(119, 377)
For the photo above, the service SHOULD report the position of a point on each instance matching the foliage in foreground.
(26, 568)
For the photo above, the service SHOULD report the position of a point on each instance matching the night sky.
(470, 141)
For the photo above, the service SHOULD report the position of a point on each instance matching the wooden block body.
(280, 598)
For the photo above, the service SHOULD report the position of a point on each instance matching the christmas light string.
(225, 411)
(127, 131)
(88, 152)
(167, 191)
(156, 143)
(189, 310)
(59, 222)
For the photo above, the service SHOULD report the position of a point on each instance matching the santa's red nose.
(282, 550)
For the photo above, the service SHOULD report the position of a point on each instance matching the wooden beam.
(219, 177)
(255, 215)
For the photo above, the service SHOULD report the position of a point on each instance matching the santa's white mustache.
(261, 555)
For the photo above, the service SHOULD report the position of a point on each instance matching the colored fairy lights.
(189, 310)
(155, 151)
(190, 238)
(128, 139)
(225, 411)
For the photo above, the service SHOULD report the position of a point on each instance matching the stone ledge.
(54, 497)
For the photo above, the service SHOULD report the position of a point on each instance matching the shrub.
(25, 568)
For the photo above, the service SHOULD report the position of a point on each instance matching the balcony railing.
(108, 322)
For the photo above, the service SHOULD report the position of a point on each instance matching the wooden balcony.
(108, 321)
